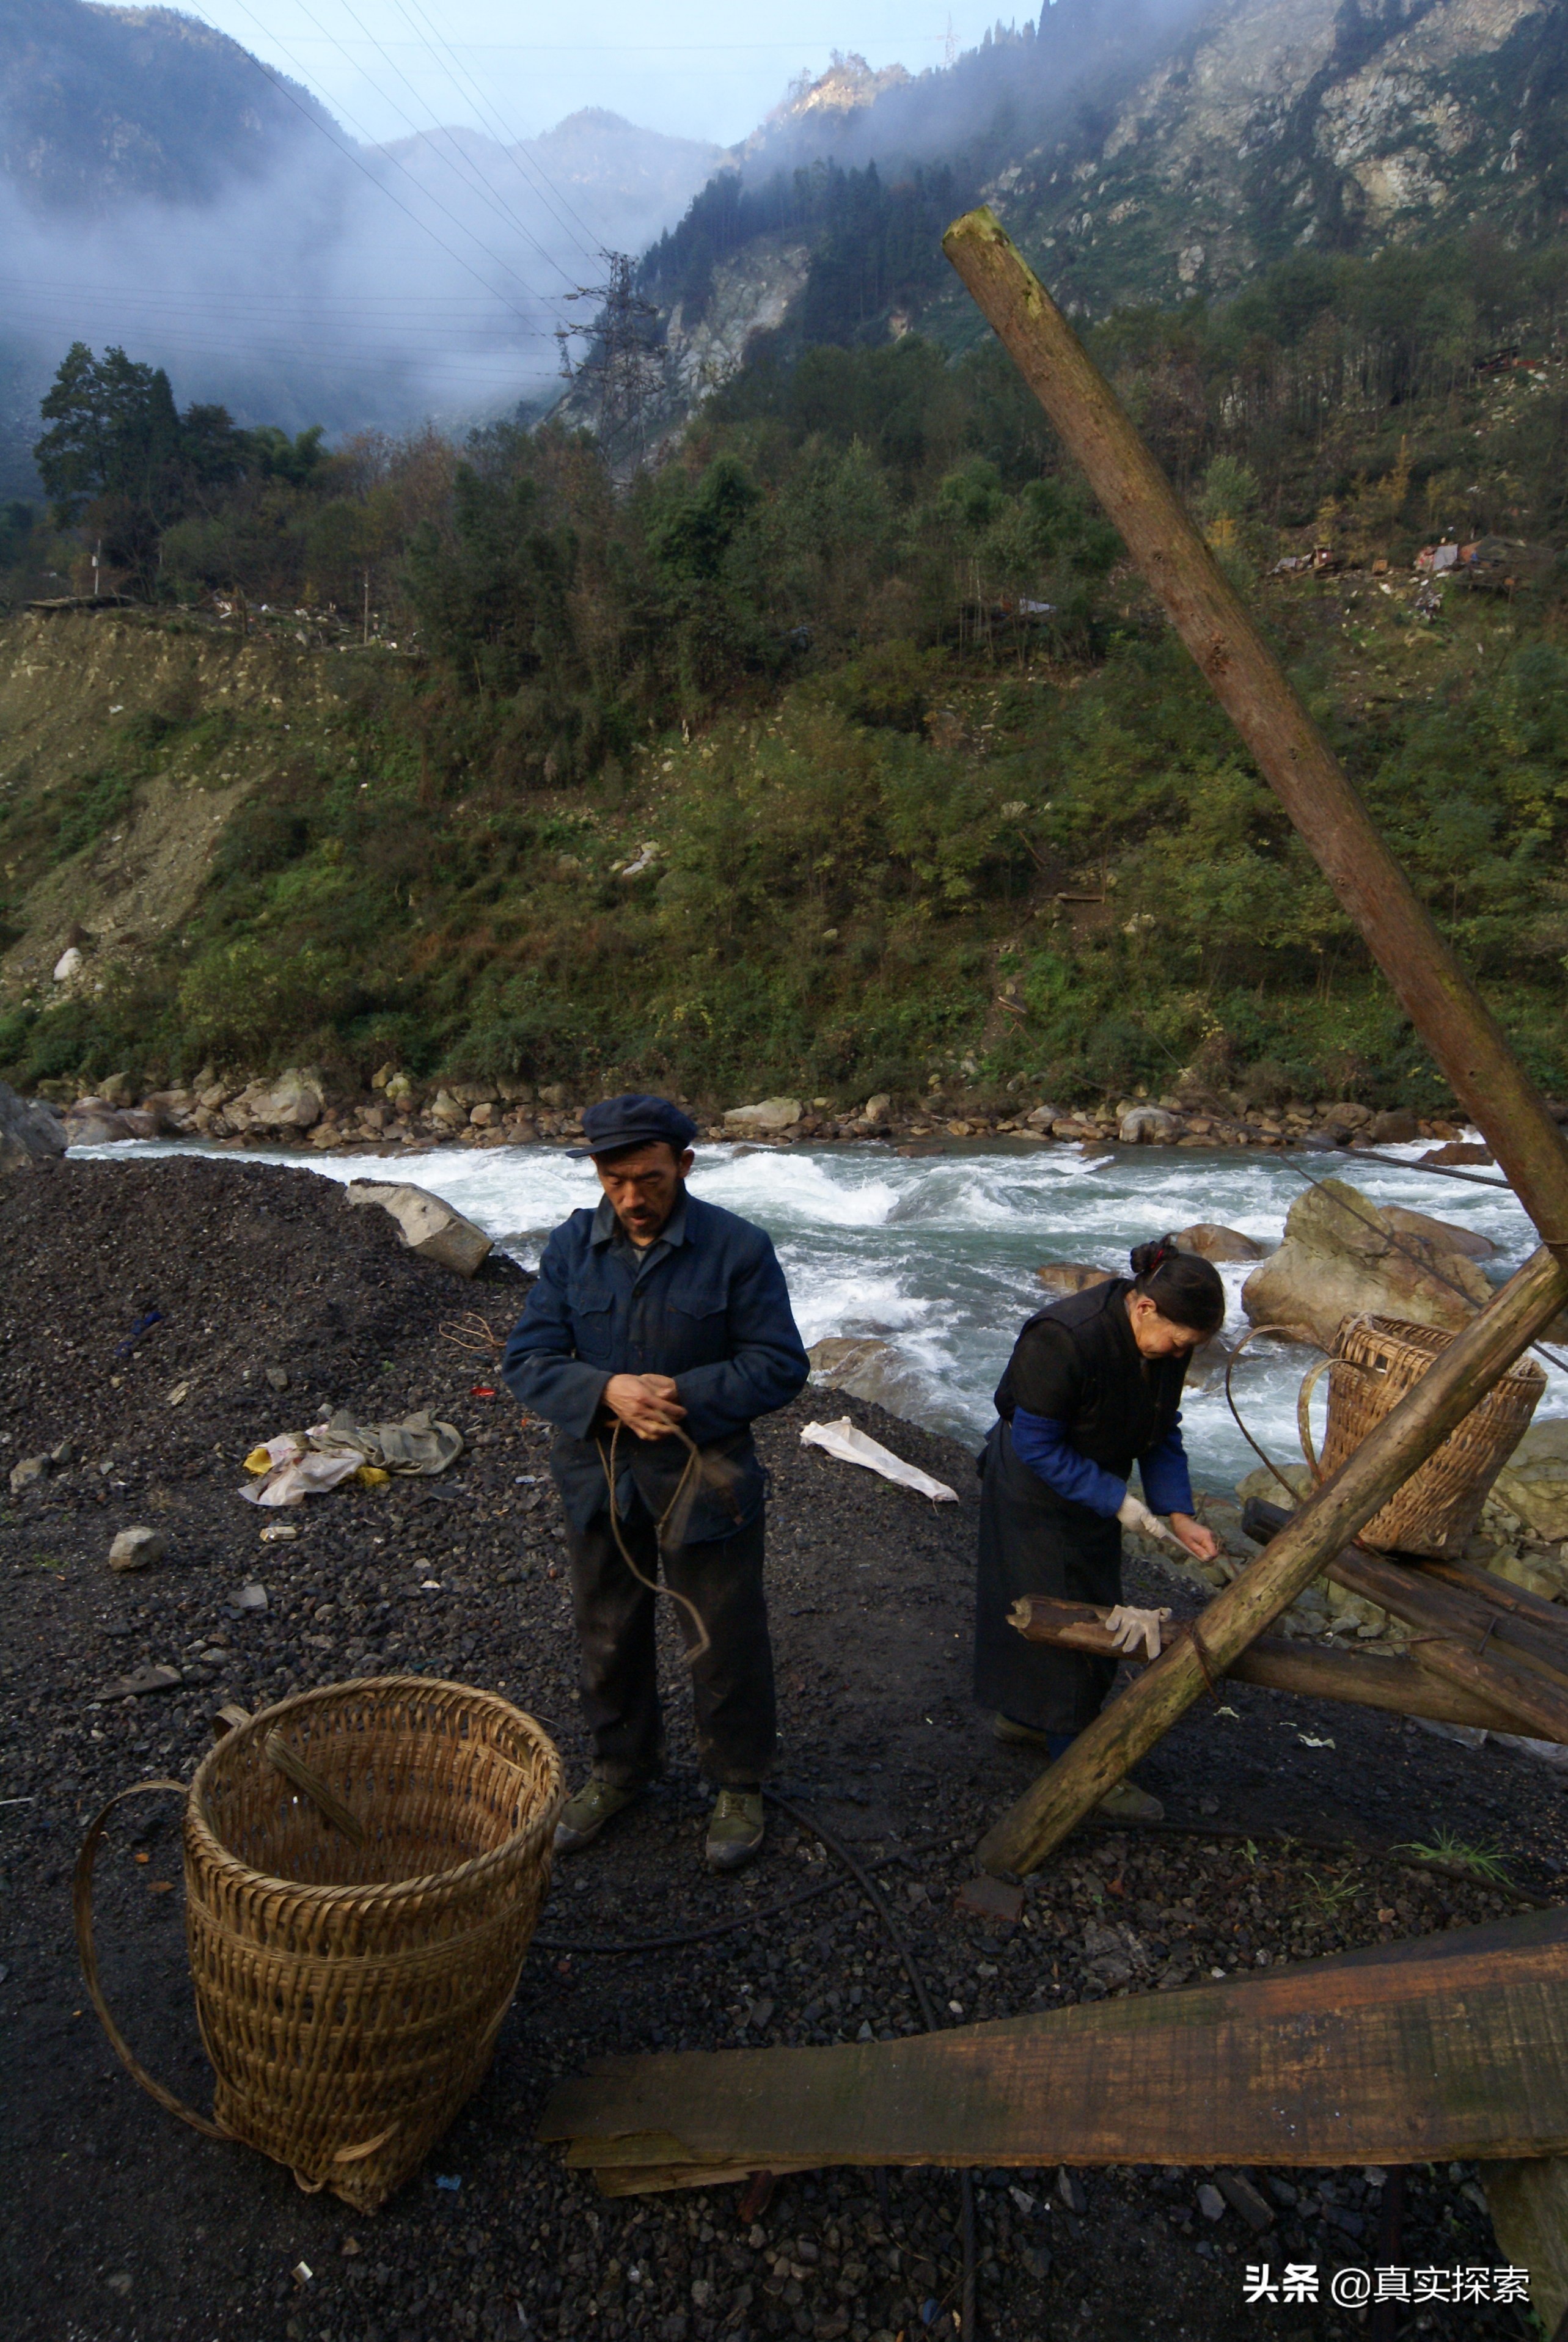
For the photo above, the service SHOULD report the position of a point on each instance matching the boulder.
(118, 1090)
(1040, 1117)
(1395, 1128)
(30, 1473)
(94, 1121)
(1444, 1234)
(1064, 1277)
(430, 1228)
(29, 1133)
(1150, 1126)
(877, 1108)
(1534, 1483)
(69, 964)
(1339, 1260)
(294, 1102)
(399, 1090)
(1458, 1150)
(1210, 1241)
(869, 1369)
(445, 1109)
(137, 1548)
(770, 1114)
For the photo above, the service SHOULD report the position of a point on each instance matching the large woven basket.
(1375, 1361)
(364, 1866)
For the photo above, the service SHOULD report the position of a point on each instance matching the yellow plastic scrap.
(258, 1460)
(371, 1476)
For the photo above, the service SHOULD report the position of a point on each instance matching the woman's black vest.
(1117, 1404)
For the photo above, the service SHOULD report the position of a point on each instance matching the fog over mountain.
(161, 189)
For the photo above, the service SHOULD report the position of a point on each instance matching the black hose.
(745, 1919)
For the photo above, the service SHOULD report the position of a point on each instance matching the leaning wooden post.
(1290, 751)
(1444, 1006)
(1145, 1711)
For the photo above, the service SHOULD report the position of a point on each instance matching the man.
(661, 1326)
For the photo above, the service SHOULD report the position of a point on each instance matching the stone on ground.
(1339, 1260)
(1063, 1276)
(769, 1114)
(29, 1133)
(137, 1548)
(430, 1228)
(1210, 1241)
(1534, 1483)
(1150, 1126)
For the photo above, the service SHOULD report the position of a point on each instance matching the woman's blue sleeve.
(1042, 1442)
(1167, 1484)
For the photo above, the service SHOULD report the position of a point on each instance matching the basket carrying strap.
(82, 1914)
(1310, 1382)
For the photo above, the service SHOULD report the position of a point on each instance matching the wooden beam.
(1290, 751)
(1480, 1650)
(1454, 2045)
(1448, 1012)
(1389, 1680)
(1327, 1523)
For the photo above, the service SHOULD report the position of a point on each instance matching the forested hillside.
(842, 751)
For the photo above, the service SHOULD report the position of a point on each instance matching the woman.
(1093, 1385)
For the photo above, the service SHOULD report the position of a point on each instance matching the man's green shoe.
(1127, 1803)
(735, 1829)
(584, 1815)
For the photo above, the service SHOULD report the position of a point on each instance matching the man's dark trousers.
(734, 1711)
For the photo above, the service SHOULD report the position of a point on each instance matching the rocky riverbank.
(156, 1321)
(300, 1107)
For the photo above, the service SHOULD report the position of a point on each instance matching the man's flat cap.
(634, 1120)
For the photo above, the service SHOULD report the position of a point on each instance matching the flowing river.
(936, 1254)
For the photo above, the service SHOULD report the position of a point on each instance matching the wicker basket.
(365, 1866)
(1377, 1361)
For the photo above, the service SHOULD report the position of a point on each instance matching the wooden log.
(1455, 2045)
(1479, 1648)
(1444, 1006)
(1382, 1679)
(1131, 1723)
(1501, 1592)
(1290, 752)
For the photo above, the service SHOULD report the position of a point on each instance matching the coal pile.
(257, 1273)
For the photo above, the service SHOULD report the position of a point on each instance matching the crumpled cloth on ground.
(852, 1447)
(305, 1464)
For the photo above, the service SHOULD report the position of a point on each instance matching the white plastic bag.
(852, 1447)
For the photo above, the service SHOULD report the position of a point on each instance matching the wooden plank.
(1528, 2202)
(1453, 2047)
(1388, 1680)
(1501, 1592)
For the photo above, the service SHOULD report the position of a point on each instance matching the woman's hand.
(1200, 1542)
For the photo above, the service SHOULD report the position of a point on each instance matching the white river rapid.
(936, 1254)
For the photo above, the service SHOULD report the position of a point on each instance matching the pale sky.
(515, 67)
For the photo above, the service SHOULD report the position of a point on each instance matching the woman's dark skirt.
(1032, 1541)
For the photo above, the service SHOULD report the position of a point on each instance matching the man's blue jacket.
(707, 1304)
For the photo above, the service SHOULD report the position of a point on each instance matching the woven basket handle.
(82, 1914)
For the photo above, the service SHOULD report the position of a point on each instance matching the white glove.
(1132, 1627)
(1134, 1513)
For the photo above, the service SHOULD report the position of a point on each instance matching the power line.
(350, 156)
(516, 145)
(497, 203)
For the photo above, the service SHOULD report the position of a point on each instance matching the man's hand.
(646, 1403)
(1200, 1542)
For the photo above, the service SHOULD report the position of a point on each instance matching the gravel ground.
(124, 2225)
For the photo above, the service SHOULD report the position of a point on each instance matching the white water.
(937, 1253)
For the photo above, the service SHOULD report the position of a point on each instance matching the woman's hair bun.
(1181, 1286)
